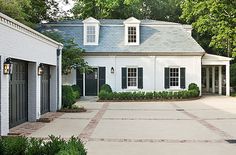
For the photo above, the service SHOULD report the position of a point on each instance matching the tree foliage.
(215, 19)
(30, 12)
(72, 55)
(168, 10)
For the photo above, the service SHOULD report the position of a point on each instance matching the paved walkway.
(165, 128)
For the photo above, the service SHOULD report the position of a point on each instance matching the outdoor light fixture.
(40, 69)
(112, 70)
(8, 66)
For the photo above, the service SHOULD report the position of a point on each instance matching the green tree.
(167, 10)
(31, 12)
(72, 55)
(215, 19)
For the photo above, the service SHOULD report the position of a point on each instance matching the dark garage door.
(45, 90)
(18, 94)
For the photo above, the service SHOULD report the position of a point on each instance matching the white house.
(30, 74)
(142, 55)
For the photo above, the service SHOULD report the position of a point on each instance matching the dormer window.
(132, 34)
(132, 31)
(91, 31)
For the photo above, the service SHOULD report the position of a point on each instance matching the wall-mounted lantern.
(40, 69)
(8, 66)
(112, 70)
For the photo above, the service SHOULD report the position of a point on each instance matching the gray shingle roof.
(156, 36)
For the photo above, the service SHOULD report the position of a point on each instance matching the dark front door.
(45, 90)
(91, 83)
(18, 94)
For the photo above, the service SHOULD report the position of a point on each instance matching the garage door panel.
(45, 87)
(18, 94)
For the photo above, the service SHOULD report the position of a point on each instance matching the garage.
(18, 94)
(45, 90)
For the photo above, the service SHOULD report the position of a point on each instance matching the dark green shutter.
(124, 78)
(102, 76)
(140, 78)
(167, 78)
(182, 78)
(79, 80)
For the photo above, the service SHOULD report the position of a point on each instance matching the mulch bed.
(153, 100)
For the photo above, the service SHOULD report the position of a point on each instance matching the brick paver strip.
(155, 140)
(205, 123)
(88, 130)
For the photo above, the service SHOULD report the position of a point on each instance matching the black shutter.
(124, 78)
(167, 78)
(79, 81)
(102, 76)
(182, 78)
(140, 78)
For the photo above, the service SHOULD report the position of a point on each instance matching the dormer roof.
(91, 20)
(132, 20)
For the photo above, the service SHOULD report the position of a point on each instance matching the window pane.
(132, 34)
(91, 34)
(132, 77)
(174, 77)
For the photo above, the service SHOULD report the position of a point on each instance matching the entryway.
(18, 94)
(215, 75)
(91, 82)
(45, 90)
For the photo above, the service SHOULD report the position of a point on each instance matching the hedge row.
(192, 92)
(69, 95)
(34, 146)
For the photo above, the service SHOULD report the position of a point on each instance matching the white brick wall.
(22, 43)
(153, 69)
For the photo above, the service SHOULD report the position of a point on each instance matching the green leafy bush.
(106, 88)
(193, 86)
(14, 145)
(149, 95)
(34, 146)
(233, 75)
(68, 96)
(76, 90)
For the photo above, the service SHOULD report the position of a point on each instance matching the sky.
(65, 7)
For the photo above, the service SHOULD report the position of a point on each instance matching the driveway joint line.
(205, 123)
(89, 129)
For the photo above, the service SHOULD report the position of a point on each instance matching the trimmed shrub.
(193, 86)
(106, 88)
(103, 95)
(149, 95)
(76, 90)
(68, 96)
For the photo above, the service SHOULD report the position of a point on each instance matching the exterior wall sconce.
(40, 69)
(112, 70)
(8, 66)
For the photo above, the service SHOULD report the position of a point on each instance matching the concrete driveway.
(165, 128)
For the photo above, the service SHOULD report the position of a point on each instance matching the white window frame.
(132, 87)
(96, 34)
(174, 87)
(137, 26)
